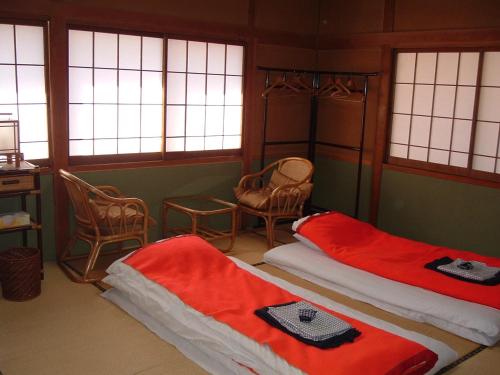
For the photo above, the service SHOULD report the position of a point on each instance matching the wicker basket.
(20, 273)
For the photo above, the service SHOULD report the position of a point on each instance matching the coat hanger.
(299, 82)
(328, 88)
(280, 83)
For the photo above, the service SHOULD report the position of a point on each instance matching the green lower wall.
(149, 184)
(441, 212)
(436, 211)
(335, 186)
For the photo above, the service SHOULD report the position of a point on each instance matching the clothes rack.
(312, 141)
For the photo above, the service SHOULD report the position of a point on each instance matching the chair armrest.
(110, 190)
(120, 215)
(288, 198)
(254, 177)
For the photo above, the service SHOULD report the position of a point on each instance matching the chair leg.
(270, 231)
(67, 249)
(93, 254)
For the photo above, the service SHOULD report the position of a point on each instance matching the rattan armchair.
(103, 216)
(279, 191)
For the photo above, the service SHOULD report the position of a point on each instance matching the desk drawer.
(17, 183)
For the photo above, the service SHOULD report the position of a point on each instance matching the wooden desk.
(196, 207)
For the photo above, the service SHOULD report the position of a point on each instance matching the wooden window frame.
(87, 162)
(46, 162)
(466, 174)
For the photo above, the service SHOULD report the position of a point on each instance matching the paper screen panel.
(403, 97)
(441, 133)
(439, 156)
(196, 89)
(105, 121)
(447, 68)
(176, 88)
(152, 88)
(152, 53)
(232, 120)
(7, 53)
(8, 86)
(81, 147)
(195, 143)
(174, 144)
(486, 140)
(234, 60)
(195, 121)
(35, 150)
(461, 135)
(216, 58)
(420, 131)
(232, 142)
(81, 119)
(405, 71)
(31, 84)
(197, 57)
(399, 151)
(214, 120)
(105, 146)
(177, 53)
(34, 120)
(444, 101)
(105, 86)
(422, 102)
(29, 45)
(464, 106)
(105, 50)
(176, 117)
(215, 90)
(400, 128)
(151, 121)
(129, 52)
(469, 62)
(129, 121)
(80, 48)
(129, 88)
(491, 69)
(234, 91)
(81, 89)
(426, 67)
(151, 144)
(489, 104)
(129, 146)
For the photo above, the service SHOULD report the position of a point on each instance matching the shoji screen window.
(23, 87)
(204, 96)
(115, 93)
(441, 119)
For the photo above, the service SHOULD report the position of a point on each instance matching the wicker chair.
(103, 216)
(278, 197)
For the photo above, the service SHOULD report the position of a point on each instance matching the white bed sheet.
(473, 321)
(171, 319)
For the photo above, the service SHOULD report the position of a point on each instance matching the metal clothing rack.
(312, 141)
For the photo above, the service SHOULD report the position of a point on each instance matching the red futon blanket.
(212, 284)
(361, 245)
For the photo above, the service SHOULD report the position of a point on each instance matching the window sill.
(477, 179)
(106, 162)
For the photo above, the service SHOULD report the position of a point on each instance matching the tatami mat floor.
(68, 329)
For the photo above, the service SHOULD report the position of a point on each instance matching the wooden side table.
(198, 207)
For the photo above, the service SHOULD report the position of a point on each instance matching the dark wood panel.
(445, 14)
(297, 16)
(344, 17)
